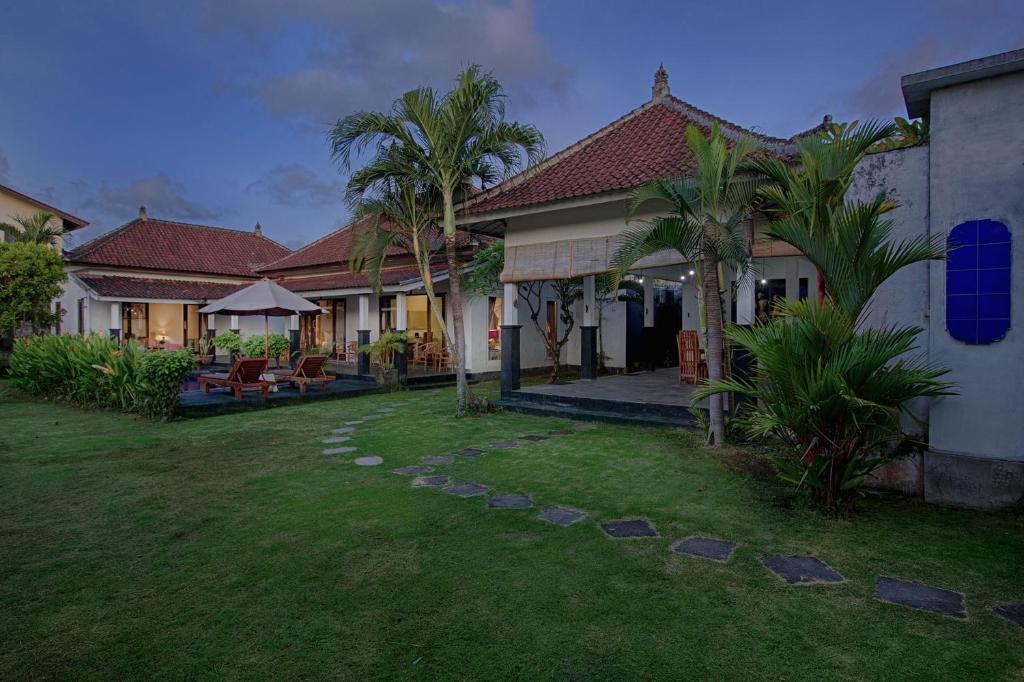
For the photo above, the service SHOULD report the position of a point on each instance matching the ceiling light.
(764, 281)
(692, 273)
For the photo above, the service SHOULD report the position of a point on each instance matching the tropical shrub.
(30, 277)
(161, 375)
(254, 346)
(229, 342)
(382, 354)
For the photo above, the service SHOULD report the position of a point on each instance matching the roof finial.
(660, 89)
(258, 231)
(142, 213)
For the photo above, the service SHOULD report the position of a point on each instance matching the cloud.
(5, 166)
(162, 197)
(362, 55)
(293, 184)
(881, 95)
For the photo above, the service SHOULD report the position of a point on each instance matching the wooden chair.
(245, 373)
(691, 366)
(442, 360)
(308, 370)
(424, 354)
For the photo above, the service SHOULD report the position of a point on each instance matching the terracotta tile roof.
(161, 289)
(152, 244)
(647, 143)
(346, 280)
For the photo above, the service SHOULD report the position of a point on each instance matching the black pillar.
(363, 362)
(293, 342)
(235, 331)
(115, 334)
(402, 364)
(588, 352)
(509, 359)
(648, 349)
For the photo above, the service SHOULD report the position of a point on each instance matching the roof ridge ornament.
(660, 90)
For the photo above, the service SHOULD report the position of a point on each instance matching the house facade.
(15, 205)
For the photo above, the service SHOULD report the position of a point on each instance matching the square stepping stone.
(509, 502)
(436, 459)
(371, 461)
(504, 445)
(424, 481)
(469, 452)
(533, 438)
(629, 528)
(411, 471)
(561, 516)
(339, 451)
(385, 410)
(343, 430)
(466, 489)
(584, 426)
(801, 570)
(1012, 612)
(336, 439)
(561, 432)
(920, 596)
(705, 548)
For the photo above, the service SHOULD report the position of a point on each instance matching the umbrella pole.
(266, 339)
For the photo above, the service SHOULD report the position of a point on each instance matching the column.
(363, 334)
(793, 278)
(588, 330)
(115, 321)
(510, 340)
(648, 334)
(401, 325)
(211, 326)
(293, 335)
(234, 325)
(745, 304)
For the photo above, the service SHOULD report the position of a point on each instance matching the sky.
(217, 112)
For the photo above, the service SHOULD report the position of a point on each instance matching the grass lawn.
(232, 547)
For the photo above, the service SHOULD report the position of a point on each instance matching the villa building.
(15, 205)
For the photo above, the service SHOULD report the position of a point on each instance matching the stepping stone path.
(371, 461)
(561, 516)
(505, 445)
(339, 451)
(533, 438)
(335, 439)
(354, 422)
(424, 481)
(561, 432)
(629, 528)
(466, 489)
(469, 452)
(801, 570)
(1011, 612)
(509, 502)
(921, 597)
(412, 471)
(705, 548)
(344, 429)
(436, 459)
(372, 416)
(385, 410)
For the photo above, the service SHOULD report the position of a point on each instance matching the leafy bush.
(253, 346)
(161, 375)
(30, 277)
(229, 342)
(382, 356)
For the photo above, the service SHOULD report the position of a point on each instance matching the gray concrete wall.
(977, 172)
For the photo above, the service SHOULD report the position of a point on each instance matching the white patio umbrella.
(262, 298)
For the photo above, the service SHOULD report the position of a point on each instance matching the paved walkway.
(660, 387)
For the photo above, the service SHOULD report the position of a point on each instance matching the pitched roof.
(70, 222)
(168, 289)
(645, 144)
(151, 244)
(346, 280)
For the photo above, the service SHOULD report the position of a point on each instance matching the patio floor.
(219, 400)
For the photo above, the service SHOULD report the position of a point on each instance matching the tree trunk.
(462, 397)
(713, 315)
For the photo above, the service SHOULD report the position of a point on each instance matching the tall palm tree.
(703, 225)
(34, 229)
(444, 142)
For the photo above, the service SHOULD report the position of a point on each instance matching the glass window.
(135, 321)
(388, 313)
(978, 282)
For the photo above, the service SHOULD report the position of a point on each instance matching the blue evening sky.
(216, 112)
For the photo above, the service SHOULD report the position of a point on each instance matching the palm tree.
(444, 142)
(34, 229)
(703, 225)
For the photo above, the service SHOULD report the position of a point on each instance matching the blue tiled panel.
(978, 282)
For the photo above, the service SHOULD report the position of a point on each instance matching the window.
(388, 313)
(978, 282)
(494, 328)
(135, 321)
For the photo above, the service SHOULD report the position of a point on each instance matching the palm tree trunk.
(462, 397)
(713, 315)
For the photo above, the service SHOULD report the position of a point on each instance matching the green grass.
(231, 547)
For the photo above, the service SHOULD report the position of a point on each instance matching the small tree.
(567, 292)
(30, 277)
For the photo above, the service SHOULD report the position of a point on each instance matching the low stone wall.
(955, 480)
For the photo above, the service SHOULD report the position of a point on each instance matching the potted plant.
(204, 351)
(382, 357)
(229, 342)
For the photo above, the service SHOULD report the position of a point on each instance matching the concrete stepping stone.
(504, 445)
(424, 481)
(336, 439)
(584, 426)
(1012, 612)
(412, 471)
(344, 450)
(561, 516)
(343, 430)
(509, 502)
(561, 432)
(629, 528)
(436, 459)
(705, 548)
(920, 596)
(469, 452)
(801, 570)
(371, 461)
(385, 410)
(354, 422)
(533, 438)
(372, 416)
(466, 489)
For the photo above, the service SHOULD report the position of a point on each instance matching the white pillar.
(211, 322)
(510, 305)
(589, 301)
(401, 322)
(234, 322)
(293, 323)
(364, 312)
(115, 316)
(745, 309)
(648, 302)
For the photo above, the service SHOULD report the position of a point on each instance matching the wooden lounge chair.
(245, 373)
(308, 370)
